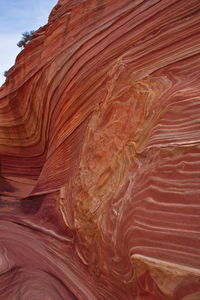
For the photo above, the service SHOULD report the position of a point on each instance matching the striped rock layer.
(100, 155)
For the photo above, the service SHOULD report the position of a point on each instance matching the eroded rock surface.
(100, 155)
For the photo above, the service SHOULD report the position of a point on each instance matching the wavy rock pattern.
(100, 155)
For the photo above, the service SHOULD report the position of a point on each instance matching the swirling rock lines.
(100, 160)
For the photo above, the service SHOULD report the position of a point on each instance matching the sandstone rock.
(100, 155)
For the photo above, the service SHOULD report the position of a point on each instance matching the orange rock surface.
(100, 155)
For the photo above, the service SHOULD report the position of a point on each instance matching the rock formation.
(100, 155)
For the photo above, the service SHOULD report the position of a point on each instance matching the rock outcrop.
(100, 155)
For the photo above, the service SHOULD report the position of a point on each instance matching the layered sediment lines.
(100, 155)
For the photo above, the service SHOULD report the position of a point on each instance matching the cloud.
(8, 52)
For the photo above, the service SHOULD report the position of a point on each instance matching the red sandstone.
(100, 155)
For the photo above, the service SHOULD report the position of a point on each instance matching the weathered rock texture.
(100, 155)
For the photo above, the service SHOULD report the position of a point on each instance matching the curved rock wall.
(100, 155)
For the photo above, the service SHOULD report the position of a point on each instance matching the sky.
(16, 17)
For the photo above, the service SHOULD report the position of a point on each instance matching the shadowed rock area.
(100, 155)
